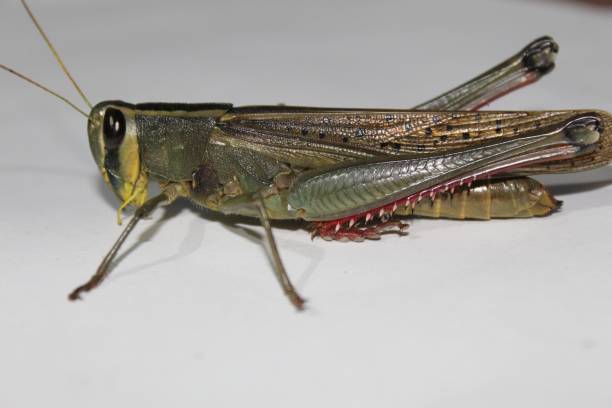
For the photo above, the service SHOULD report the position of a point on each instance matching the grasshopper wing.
(317, 137)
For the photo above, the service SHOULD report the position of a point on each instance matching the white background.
(463, 314)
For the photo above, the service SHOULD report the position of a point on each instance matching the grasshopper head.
(114, 144)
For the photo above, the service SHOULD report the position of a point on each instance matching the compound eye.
(114, 128)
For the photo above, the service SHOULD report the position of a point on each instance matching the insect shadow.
(566, 184)
(190, 244)
(243, 227)
(194, 237)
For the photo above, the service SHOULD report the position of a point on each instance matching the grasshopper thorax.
(113, 141)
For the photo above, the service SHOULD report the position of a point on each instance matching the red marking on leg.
(357, 233)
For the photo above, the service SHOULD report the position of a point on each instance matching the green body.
(224, 155)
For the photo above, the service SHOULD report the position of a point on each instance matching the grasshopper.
(351, 174)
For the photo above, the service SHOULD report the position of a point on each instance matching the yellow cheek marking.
(129, 157)
(137, 197)
(134, 186)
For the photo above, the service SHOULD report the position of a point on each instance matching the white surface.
(474, 314)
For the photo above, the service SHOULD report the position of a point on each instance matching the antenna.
(57, 58)
(44, 88)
